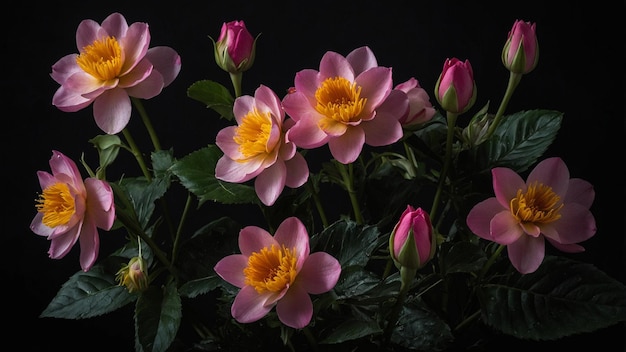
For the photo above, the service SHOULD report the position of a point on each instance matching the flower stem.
(451, 117)
(318, 203)
(236, 78)
(514, 79)
(137, 153)
(180, 227)
(407, 276)
(492, 259)
(147, 123)
(348, 180)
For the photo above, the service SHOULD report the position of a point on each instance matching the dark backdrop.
(580, 72)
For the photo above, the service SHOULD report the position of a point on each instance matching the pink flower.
(257, 147)
(411, 243)
(235, 48)
(69, 209)
(548, 205)
(455, 89)
(113, 64)
(349, 102)
(420, 108)
(277, 271)
(521, 50)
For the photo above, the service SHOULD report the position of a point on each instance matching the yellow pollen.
(57, 205)
(253, 134)
(340, 100)
(539, 205)
(271, 269)
(102, 59)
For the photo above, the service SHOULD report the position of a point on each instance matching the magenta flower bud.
(412, 243)
(455, 89)
(235, 47)
(521, 51)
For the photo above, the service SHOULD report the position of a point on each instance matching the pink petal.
(361, 59)
(306, 132)
(64, 68)
(253, 239)
(89, 244)
(307, 82)
(506, 183)
(63, 243)
(87, 32)
(479, 218)
(270, 183)
(505, 229)
(297, 171)
(39, 228)
(295, 309)
(577, 224)
(249, 306)
(293, 234)
(567, 248)
(115, 24)
(319, 273)
(551, 172)
(112, 111)
(62, 165)
(229, 170)
(68, 101)
(267, 99)
(376, 84)
(347, 148)
(581, 192)
(135, 44)
(297, 105)
(230, 268)
(101, 206)
(140, 73)
(335, 65)
(166, 61)
(527, 254)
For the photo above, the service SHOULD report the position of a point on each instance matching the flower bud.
(235, 47)
(521, 51)
(455, 89)
(420, 108)
(411, 243)
(134, 275)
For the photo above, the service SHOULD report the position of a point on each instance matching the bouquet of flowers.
(384, 225)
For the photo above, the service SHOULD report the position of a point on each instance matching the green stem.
(318, 203)
(137, 153)
(180, 227)
(491, 260)
(347, 176)
(309, 336)
(407, 276)
(446, 163)
(236, 78)
(467, 321)
(147, 123)
(514, 79)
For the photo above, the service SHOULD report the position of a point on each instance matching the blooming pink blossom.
(548, 205)
(69, 209)
(349, 102)
(257, 147)
(277, 271)
(420, 108)
(521, 50)
(113, 64)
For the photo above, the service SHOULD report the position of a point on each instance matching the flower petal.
(166, 61)
(293, 234)
(89, 240)
(581, 192)
(297, 171)
(269, 184)
(505, 229)
(230, 268)
(527, 253)
(347, 148)
(506, 183)
(295, 309)
(319, 273)
(479, 218)
(253, 239)
(249, 306)
(551, 172)
(112, 111)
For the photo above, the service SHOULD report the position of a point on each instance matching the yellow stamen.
(57, 205)
(253, 134)
(340, 100)
(102, 59)
(539, 205)
(271, 269)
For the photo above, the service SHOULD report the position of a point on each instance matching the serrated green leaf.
(351, 329)
(196, 172)
(197, 287)
(157, 318)
(90, 294)
(214, 95)
(421, 330)
(519, 140)
(462, 257)
(350, 243)
(563, 297)
(143, 194)
(162, 160)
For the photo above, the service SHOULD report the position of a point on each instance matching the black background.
(580, 72)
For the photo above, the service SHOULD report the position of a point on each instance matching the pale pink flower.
(257, 147)
(548, 205)
(113, 64)
(277, 271)
(420, 108)
(349, 102)
(70, 209)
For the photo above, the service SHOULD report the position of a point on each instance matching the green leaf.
(563, 297)
(197, 287)
(214, 95)
(351, 329)
(157, 317)
(90, 294)
(519, 140)
(196, 172)
(162, 160)
(348, 242)
(421, 330)
(143, 194)
(461, 257)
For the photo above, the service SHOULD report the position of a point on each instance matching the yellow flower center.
(538, 205)
(253, 133)
(271, 269)
(102, 59)
(340, 100)
(57, 205)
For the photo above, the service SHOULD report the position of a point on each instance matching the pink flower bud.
(521, 51)
(134, 275)
(420, 108)
(411, 243)
(235, 48)
(455, 89)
